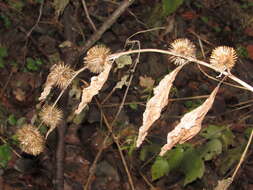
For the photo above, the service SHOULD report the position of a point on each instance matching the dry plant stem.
(170, 100)
(94, 164)
(115, 139)
(243, 155)
(106, 25)
(116, 55)
(147, 181)
(215, 79)
(38, 20)
(88, 16)
(63, 90)
(128, 86)
(31, 30)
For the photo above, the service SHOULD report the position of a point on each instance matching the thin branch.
(116, 55)
(243, 155)
(106, 25)
(88, 16)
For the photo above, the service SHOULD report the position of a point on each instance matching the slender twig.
(37, 21)
(115, 139)
(94, 164)
(88, 16)
(243, 155)
(69, 82)
(106, 25)
(117, 55)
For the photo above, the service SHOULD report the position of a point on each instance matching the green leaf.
(38, 62)
(133, 106)
(192, 166)
(204, 19)
(124, 60)
(5, 155)
(159, 168)
(174, 158)
(31, 64)
(3, 52)
(230, 159)
(12, 120)
(170, 6)
(211, 149)
(212, 131)
(149, 149)
(227, 138)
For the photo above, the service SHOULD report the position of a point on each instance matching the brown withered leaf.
(156, 104)
(190, 124)
(96, 84)
(146, 82)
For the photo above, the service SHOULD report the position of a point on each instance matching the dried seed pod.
(183, 47)
(31, 141)
(96, 58)
(223, 58)
(51, 116)
(60, 75)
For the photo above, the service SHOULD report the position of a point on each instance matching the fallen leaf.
(190, 124)
(146, 82)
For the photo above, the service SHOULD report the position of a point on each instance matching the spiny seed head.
(96, 58)
(31, 141)
(51, 116)
(184, 47)
(223, 58)
(61, 74)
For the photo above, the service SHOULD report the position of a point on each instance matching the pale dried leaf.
(146, 82)
(224, 184)
(156, 104)
(96, 84)
(190, 124)
(46, 91)
(122, 82)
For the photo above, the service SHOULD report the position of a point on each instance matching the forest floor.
(33, 39)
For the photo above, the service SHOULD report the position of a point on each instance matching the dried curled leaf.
(51, 116)
(156, 104)
(190, 124)
(223, 58)
(184, 47)
(96, 84)
(31, 141)
(59, 75)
